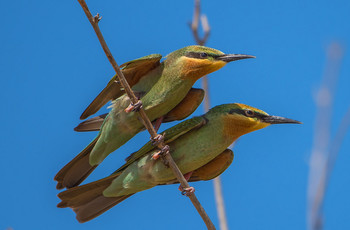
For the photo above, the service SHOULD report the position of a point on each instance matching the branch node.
(97, 18)
(197, 16)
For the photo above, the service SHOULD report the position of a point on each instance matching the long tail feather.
(87, 201)
(96, 207)
(92, 124)
(75, 172)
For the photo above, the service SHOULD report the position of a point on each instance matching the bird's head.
(240, 119)
(196, 61)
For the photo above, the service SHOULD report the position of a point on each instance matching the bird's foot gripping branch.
(186, 191)
(134, 107)
(157, 139)
(162, 152)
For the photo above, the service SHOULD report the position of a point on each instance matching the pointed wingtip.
(78, 128)
(83, 116)
(59, 186)
(62, 204)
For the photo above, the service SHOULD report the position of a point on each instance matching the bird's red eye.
(249, 113)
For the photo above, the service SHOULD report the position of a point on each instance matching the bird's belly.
(190, 154)
(164, 99)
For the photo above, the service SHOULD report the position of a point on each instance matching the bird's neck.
(233, 128)
(193, 69)
(168, 92)
(183, 70)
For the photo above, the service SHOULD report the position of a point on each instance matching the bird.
(160, 89)
(184, 109)
(143, 72)
(196, 145)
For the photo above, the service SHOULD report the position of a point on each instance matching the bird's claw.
(134, 107)
(157, 139)
(186, 191)
(158, 154)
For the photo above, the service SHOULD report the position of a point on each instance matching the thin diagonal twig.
(325, 174)
(94, 22)
(197, 17)
(337, 142)
(324, 152)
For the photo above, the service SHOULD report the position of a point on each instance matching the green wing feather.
(149, 59)
(133, 71)
(169, 135)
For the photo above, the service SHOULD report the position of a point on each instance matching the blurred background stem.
(324, 151)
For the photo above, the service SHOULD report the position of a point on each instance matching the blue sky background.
(52, 66)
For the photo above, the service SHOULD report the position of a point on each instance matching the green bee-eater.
(184, 109)
(196, 146)
(161, 87)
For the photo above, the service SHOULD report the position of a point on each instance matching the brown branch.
(94, 22)
(323, 154)
(219, 198)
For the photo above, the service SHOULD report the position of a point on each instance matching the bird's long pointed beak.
(279, 120)
(233, 57)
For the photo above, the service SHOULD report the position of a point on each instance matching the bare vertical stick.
(94, 22)
(220, 204)
(219, 199)
(323, 154)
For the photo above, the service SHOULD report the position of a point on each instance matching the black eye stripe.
(245, 111)
(201, 55)
(237, 111)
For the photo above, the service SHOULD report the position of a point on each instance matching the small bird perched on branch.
(165, 91)
(184, 109)
(198, 146)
